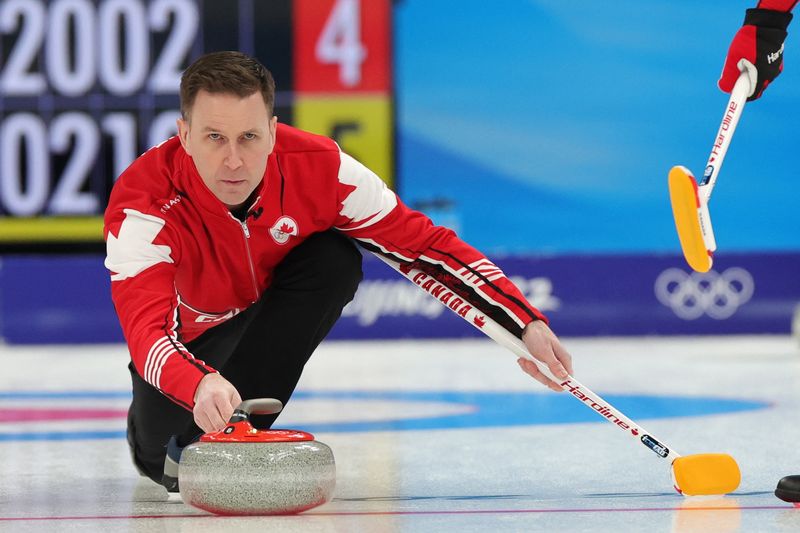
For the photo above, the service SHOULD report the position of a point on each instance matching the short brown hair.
(226, 72)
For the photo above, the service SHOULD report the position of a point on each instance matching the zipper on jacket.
(246, 231)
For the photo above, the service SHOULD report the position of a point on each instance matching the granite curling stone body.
(242, 470)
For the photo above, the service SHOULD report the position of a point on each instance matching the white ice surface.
(558, 477)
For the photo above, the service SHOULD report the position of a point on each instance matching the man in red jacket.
(231, 256)
(758, 48)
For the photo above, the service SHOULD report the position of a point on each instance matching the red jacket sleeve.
(375, 216)
(141, 257)
(777, 5)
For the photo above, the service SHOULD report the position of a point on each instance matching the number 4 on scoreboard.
(340, 42)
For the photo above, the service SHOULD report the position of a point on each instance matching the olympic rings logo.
(693, 295)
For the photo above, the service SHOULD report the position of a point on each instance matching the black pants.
(262, 350)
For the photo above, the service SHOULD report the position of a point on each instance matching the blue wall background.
(551, 125)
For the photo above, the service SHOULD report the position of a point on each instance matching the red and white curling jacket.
(181, 263)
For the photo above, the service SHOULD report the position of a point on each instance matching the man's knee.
(344, 261)
(325, 260)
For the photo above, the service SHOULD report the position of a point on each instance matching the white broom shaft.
(571, 385)
(727, 126)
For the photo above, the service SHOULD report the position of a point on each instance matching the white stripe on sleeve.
(157, 357)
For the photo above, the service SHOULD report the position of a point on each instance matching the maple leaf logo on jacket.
(282, 229)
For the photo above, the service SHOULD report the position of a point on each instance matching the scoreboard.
(88, 85)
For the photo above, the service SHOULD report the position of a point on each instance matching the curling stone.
(242, 470)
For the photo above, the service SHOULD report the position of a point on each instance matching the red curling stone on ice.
(242, 470)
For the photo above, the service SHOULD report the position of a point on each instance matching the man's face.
(229, 139)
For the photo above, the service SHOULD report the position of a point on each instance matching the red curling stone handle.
(239, 428)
